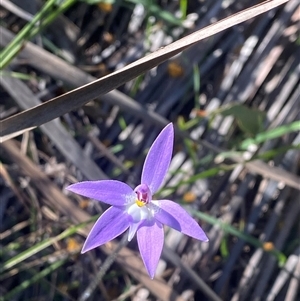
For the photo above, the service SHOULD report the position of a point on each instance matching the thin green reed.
(49, 12)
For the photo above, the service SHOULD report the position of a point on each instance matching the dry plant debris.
(234, 100)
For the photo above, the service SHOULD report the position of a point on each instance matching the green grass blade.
(196, 80)
(12, 49)
(18, 75)
(271, 134)
(25, 284)
(272, 153)
(241, 235)
(183, 8)
(42, 245)
(52, 16)
(41, 20)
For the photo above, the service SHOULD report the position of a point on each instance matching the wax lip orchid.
(135, 209)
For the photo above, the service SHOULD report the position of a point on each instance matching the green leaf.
(249, 120)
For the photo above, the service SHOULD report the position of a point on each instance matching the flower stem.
(105, 266)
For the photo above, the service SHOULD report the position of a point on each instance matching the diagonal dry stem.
(78, 97)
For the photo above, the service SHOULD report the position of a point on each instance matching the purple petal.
(111, 192)
(150, 238)
(158, 159)
(174, 216)
(113, 222)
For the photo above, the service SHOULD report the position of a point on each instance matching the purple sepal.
(150, 237)
(158, 159)
(174, 216)
(111, 192)
(113, 222)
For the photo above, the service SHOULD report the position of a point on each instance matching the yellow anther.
(140, 203)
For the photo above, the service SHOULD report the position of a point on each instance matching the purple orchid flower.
(135, 209)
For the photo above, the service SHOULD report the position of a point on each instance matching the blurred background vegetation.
(234, 99)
